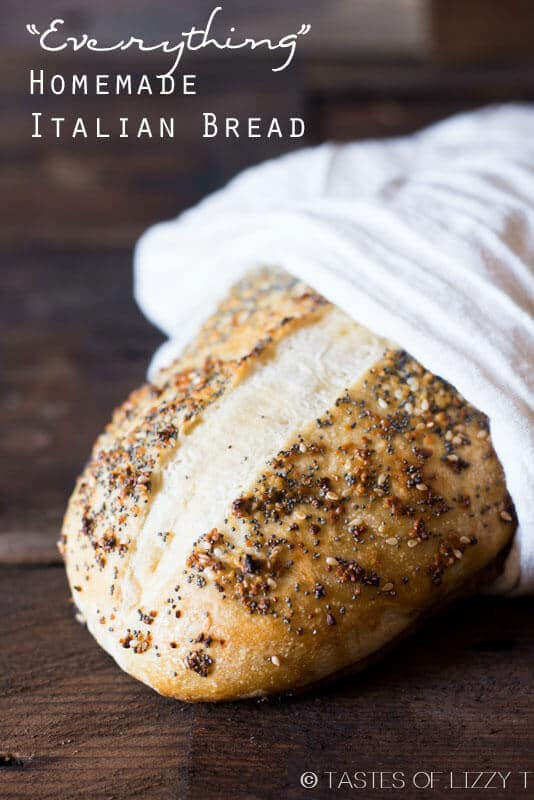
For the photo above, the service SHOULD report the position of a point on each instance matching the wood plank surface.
(453, 697)
(444, 29)
(73, 345)
(457, 695)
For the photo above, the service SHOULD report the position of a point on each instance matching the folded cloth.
(427, 240)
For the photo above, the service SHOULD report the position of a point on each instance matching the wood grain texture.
(457, 695)
(73, 345)
(437, 28)
(452, 697)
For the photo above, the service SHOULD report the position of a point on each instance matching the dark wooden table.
(457, 696)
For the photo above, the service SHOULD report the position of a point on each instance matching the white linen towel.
(427, 240)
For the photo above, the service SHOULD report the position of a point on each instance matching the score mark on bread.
(289, 496)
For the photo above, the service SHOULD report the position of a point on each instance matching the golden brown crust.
(372, 514)
(117, 482)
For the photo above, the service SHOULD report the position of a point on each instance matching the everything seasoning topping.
(138, 641)
(199, 661)
(369, 497)
(249, 565)
(113, 494)
(360, 507)
(349, 571)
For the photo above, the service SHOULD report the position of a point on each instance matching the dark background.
(457, 696)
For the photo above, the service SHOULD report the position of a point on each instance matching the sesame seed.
(413, 383)
(275, 661)
(387, 587)
(332, 496)
(464, 539)
(382, 403)
(457, 440)
(302, 448)
(424, 404)
(457, 553)
(332, 562)
(381, 479)
(300, 515)
(506, 516)
(272, 583)
(398, 394)
(421, 487)
(452, 457)
(409, 408)
(392, 541)
(448, 436)
(412, 543)
(482, 434)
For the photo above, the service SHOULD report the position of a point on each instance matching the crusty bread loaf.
(286, 499)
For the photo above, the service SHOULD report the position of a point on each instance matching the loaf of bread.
(286, 499)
